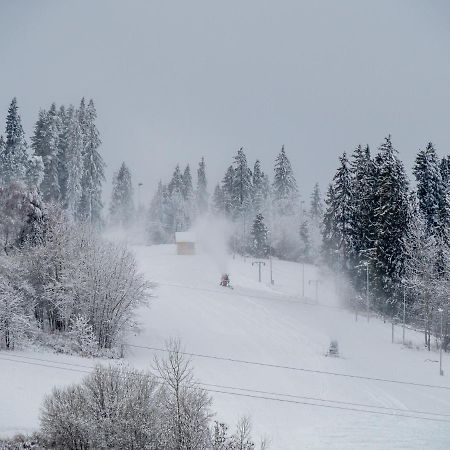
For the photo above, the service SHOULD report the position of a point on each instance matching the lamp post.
(441, 372)
(139, 195)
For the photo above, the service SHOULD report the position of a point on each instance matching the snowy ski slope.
(256, 341)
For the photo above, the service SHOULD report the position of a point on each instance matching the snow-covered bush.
(185, 408)
(67, 280)
(21, 213)
(118, 408)
(112, 408)
(16, 324)
(110, 290)
(82, 336)
(240, 440)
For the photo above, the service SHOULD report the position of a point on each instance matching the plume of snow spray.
(212, 236)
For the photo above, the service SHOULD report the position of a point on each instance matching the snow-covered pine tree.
(188, 197)
(157, 224)
(64, 120)
(444, 206)
(35, 172)
(38, 143)
(176, 183)
(329, 232)
(49, 152)
(188, 189)
(175, 203)
(73, 162)
(227, 191)
(93, 166)
(218, 200)
(2, 157)
(430, 189)
(242, 185)
(391, 224)
(122, 208)
(316, 207)
(13, 157)
(260, 247)
(259, 194)
(342, 208)
(315, 222)
(363, 207)
(285, 191)
(202, 188)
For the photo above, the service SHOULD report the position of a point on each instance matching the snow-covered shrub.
(115, 407)
(21, 214)
(185, 408)
(240, 440)
(16, 320)
(77, 273)
(21, 442)
(112, 408)
(110, 290)
(82, 336)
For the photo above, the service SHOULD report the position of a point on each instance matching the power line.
(262, 397)
(330, 406)
(365, 405)
(300, 369)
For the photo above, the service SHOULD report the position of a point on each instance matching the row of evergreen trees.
(63, 163)
(249, 200)
(278, 220)
(176, 204)
(375, 224)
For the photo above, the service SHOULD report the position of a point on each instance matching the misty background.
(174, 81)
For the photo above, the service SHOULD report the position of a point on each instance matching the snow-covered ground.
(267, 324)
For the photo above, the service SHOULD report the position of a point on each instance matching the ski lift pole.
(260, 263)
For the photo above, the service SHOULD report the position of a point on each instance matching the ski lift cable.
(276, 399)
(294, 368)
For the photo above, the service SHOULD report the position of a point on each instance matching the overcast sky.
(175, 80)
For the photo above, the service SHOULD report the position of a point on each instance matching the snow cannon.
(225, 280)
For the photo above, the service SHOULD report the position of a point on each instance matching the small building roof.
(184, 236)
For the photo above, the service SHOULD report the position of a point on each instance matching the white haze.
(174, 81)
(212, 238)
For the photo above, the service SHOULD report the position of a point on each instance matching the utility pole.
(441, 372)
(392, 339)
(367, 291)
(303, 280)
(260, 263)
(404, 313)
(316, 282)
